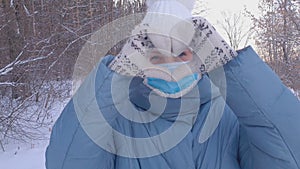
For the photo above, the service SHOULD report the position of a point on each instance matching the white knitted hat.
(171, 29)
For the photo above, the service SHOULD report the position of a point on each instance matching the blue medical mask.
(171, 87)
(172, 66)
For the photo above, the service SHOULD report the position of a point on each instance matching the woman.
(172, 115)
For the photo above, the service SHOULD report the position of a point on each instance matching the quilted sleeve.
(268, 112)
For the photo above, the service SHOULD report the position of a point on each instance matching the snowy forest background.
(41, 40)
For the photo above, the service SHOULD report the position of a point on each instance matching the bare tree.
(238, 32)
(278, 38)
(39, 45)
(200, 8)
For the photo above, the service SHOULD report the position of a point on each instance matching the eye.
(182, 54)
(155, 59)
(185, 56)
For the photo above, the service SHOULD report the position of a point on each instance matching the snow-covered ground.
(23, 157)
(28, 155)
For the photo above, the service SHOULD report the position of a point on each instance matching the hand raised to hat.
(209, 46)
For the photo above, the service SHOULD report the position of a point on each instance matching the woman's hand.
(209, 46)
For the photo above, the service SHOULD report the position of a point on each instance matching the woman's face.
(158, 58)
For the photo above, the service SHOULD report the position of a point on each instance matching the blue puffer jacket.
(215, 140)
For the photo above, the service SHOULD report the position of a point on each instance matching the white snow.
(11, 3)
(296, 93)
(26, 10)
(28, 155)
(23, 157)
